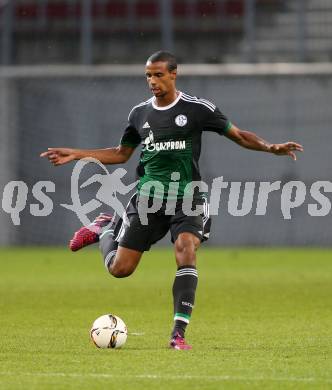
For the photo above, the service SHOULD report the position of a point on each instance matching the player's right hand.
(59, 156)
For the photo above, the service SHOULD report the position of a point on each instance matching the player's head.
(160, 70)
(164, 56)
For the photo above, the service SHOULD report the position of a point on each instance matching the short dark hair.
(164, 56)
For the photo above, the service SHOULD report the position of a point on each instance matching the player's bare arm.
(252, 141)
(117, 155)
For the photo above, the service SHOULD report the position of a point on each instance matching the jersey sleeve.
(131, 136)
(214, 120)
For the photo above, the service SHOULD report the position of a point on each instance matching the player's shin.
(108, 247)
(184, 289)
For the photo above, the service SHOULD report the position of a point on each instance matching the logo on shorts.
(181, 120)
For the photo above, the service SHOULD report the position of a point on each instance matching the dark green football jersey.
(171, 140)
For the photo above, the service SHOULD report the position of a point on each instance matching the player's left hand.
(286, 149)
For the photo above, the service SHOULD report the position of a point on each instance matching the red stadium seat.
(147, 8)
(57, 10)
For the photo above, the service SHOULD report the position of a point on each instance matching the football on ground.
(109, 331)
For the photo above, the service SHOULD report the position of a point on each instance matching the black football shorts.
(140, 237)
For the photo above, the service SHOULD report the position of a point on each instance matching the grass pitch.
(263, 320)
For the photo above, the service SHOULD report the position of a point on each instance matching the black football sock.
(184, 289)
(107, 245)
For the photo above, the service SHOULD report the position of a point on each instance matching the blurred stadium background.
(72, 69)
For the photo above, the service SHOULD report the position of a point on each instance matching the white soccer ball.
(109, 331)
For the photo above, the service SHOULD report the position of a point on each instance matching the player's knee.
(185, 248)
(186, 243)
(120, 272)
(121, 269)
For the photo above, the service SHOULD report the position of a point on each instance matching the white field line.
(137, 334)
(218, 378)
